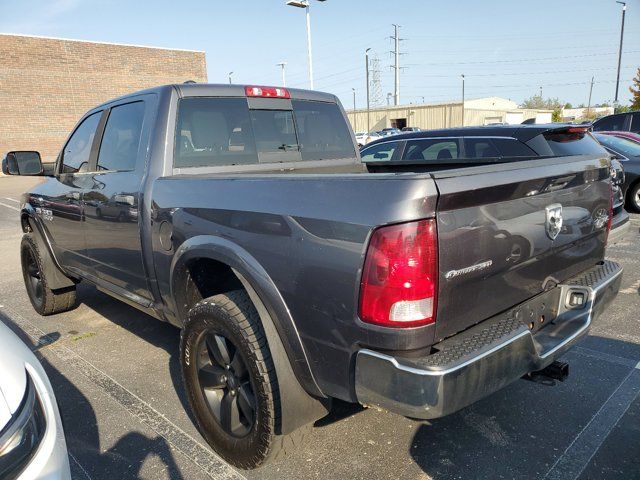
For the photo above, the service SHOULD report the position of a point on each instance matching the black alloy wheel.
(225, 384)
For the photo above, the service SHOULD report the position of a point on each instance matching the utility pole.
(284, 77)
(366, 61)
(624, 10)
(230, 73)
(590, 92)
(354, 109)
(540, 91)
(462, 99)
(396, 65)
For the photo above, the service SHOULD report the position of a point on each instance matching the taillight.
(270, 92)
(400, 276)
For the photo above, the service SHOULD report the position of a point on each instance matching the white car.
(363, 138)
(32, 444)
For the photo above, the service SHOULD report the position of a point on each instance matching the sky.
(505, 48)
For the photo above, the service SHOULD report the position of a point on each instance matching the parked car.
(467, 146)
(410, 129)
(628, 152)
(32, 443)
(625, 122)
(298, 277)
(362, 138)
(387, 132)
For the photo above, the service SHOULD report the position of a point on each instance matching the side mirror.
(22, 163)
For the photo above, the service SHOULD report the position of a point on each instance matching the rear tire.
(224, 349)
(633, 197)
(45, 301)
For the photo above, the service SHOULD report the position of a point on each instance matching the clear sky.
(507, 48)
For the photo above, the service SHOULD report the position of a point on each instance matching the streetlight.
(230, 73)
(366, 62)
(462, 99)
(389, 95)
(354, 109)
(284, 78)
(624, 9)
(305, 4)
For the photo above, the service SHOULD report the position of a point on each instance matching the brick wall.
(47, 84)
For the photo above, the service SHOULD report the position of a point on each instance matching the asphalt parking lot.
(117, 381)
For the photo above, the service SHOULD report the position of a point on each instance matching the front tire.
(45, 301)
(633, 197)
(230, 379)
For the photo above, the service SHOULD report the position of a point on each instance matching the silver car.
(32, 444)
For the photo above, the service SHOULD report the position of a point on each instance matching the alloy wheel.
(225, 384)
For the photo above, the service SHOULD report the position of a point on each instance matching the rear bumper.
(487, 357)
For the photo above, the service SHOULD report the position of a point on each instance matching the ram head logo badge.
(553, 223)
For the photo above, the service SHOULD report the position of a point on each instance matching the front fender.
(56, 276)
(264, 293)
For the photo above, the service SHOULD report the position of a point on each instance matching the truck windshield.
(224, 131)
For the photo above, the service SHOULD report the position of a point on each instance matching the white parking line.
(586, 444)
(203, 457)
(10, 206)
(12, 200)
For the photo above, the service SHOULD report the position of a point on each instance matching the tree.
(635, 100)
(537, 102)
(568, 105)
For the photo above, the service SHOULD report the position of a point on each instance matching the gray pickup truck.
(244, 216)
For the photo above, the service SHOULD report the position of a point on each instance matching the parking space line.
(203, 457)
(12, 200)
(607, 357)
(10, 206)
(584, 446)
(75, 460)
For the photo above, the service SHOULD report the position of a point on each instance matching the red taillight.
(400, 276)
(272, 92)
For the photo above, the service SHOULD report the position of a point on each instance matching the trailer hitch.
(548, 375)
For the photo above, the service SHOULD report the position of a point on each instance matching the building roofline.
(100, 43)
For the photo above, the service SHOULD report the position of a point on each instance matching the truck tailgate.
(508, 232)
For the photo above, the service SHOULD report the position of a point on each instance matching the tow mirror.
(22, 163)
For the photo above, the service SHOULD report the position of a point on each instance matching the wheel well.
(202, 278)
(24, 223)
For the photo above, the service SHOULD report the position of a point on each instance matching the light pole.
(284, 77)
(389, 95)
(354, 109)
(366, 62)
(462, 99)
(230, 73)
(305, 4)
(624, 10)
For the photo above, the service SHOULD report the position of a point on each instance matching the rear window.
(224, 131)
(562, 143)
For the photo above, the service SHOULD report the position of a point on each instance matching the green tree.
(635, 91)
(568, 105)
(537, 102)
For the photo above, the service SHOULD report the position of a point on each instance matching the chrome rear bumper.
(485, 358)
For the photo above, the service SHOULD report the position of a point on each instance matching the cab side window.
(75, 157)
(121, 139)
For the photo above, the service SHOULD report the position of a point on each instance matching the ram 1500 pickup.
(244, 216)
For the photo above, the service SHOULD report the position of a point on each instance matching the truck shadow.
(157, 333)
(522, 430)
(88, 457)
